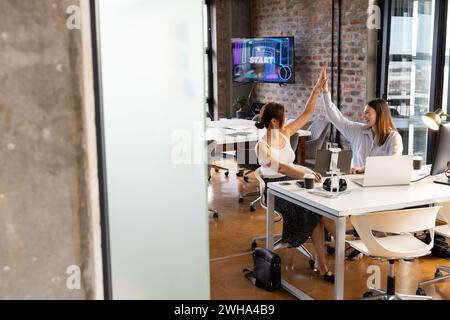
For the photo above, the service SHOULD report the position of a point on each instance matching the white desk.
(230, 133)
(359, 201)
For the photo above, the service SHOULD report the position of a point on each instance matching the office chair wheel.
(254, 245)
(438, 274)
(246, 179)
(312, 264)
(227, 174)
(241, 200)
(368, 294)
(421, 292)
(330, 250)
(252, 208)
(217, 170)
(240, 173)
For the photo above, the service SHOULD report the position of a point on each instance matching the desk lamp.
(441, 158)
(434, 119)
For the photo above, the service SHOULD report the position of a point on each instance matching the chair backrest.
(400, 221)
(445, 211)
(262, 184)
(317, 143)
(318, 127)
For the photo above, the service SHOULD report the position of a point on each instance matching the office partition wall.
(150, 96)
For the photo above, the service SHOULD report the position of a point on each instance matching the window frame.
(209, 53)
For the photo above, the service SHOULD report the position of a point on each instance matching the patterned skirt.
(298, 222)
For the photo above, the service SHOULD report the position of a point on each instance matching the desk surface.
(229, 131)
(369, 199)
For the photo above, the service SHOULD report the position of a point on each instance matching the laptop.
(387, 171)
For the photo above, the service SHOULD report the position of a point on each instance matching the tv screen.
(264, 60)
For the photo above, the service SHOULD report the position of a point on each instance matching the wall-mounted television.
(268, 59)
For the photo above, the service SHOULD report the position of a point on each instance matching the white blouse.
(361, 138)
(284, 156)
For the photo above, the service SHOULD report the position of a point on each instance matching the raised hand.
(322, 80)
(325, 87)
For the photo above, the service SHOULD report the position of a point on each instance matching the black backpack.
(266, 272)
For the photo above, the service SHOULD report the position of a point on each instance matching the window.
(411, 55)
(409, 70)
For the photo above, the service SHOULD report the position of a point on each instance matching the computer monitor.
(442, 153)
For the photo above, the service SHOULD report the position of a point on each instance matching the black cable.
(429, 175)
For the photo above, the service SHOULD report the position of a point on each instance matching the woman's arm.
(298, 172)
(303, 118)
(349, 129)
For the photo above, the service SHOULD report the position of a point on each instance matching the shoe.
(328, 276)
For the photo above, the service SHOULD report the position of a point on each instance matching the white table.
(230, 133)
(359, 201)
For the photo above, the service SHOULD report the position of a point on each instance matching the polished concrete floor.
(230, 252)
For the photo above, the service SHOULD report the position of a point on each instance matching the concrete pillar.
(49, 213)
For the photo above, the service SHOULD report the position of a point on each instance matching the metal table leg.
(269, 219)
(339, 259)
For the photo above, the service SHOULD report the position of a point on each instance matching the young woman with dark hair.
(276, 157)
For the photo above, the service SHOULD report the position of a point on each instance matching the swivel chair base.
(217, 168)
(390, 294)
(375, 294)
(438, 277)
(214, 213)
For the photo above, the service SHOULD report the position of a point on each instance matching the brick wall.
(310, 23)
(222, 56)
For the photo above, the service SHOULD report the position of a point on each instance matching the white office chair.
(277, 244)
(402, 245)
(444, 231)
(250, 159)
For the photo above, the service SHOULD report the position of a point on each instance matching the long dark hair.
(384, 123)
(270, 111)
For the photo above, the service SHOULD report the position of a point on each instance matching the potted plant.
(240, 105)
